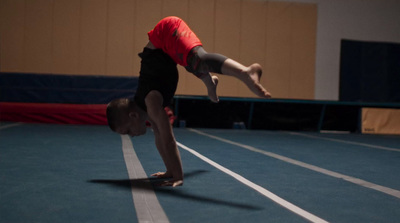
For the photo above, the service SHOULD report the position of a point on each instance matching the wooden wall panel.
(303, 51)
(227, 40)
(120, 46)
(175, 8)
(103, 37)
(38, 36)
(93, 37)
(66, 37)
(12, 29)
(291, 38)
(279, 48)
(252, 39)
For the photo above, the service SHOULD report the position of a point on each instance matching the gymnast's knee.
(212, 61)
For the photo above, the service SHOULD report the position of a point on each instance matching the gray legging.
(200, 62)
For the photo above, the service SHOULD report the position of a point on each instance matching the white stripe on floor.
(348, 142)
(256, 187)
(148, 209)
(383, 189)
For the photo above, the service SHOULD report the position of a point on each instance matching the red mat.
(83, 114)
(53, 113)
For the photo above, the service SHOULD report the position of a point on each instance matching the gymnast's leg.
(202, 63)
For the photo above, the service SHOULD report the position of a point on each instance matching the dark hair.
(116, 110)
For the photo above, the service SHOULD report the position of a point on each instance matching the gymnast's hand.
(172, 182)
(162, 175)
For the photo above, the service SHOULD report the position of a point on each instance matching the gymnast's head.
(125, 118)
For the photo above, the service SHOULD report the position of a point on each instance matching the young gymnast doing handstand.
(172, 42)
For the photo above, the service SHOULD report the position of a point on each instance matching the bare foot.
(212, 90)
(254, 73)
(211, 83)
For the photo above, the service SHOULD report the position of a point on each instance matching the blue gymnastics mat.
(71, 173)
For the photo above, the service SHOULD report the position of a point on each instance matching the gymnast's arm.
(165, 139)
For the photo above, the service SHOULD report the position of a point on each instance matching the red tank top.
(175, 38)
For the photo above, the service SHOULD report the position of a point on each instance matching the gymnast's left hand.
(173, 183)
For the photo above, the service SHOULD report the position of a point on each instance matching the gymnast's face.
(133, 125)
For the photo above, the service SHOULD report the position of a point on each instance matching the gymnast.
(172, 42)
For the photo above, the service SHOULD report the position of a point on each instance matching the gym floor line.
(64, 173)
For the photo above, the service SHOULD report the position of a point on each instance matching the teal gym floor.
(75, 173)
